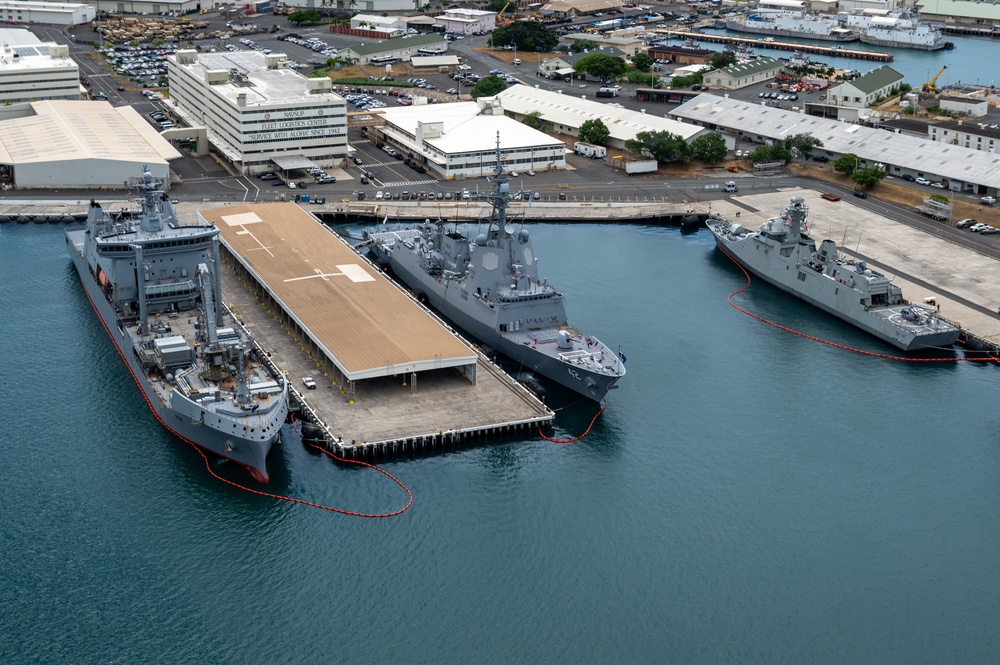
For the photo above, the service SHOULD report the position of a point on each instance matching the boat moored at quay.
(490, 288)
(782, 254)
(155, 286)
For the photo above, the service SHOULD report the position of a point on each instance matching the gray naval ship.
(155, 286)
(782, 253)
(491, 289)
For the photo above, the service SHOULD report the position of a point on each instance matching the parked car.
(938, 185)
(379, 195)
(922, 181)
(987, 200)
(308, 382)
(536, 196)
(530, 172)
(820, 158)
(976, 228)
(989, 230)
(562, 196)
(908, 178)
(964, 223)
(513, 174)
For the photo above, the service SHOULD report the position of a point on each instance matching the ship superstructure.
(896, 29)
(155, 285)
(792, 23)
(782, 253)
(490, 287)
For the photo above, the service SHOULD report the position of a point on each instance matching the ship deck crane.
(929, 86)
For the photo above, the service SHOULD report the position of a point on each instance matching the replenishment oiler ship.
(155, 285)
(782, 254)
(491, 289)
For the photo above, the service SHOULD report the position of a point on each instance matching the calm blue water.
(965, 62)
(748, 496)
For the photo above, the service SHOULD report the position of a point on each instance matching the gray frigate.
(155, 285)
(491, 289)
(782, 253)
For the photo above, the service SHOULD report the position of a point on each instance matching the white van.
(731, 186)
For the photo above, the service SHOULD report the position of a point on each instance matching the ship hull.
(840, 302)
(875, 41)
(249, 453)
(440, 296)
(766, 29)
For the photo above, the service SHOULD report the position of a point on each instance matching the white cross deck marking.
(351, 271)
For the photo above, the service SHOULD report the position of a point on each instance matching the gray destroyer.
(491, 289)
(155, 285)
(782, 254)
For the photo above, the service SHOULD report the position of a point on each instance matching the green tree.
(601, 65)
(304, 17)
(847, 164)
(869, 177)
(709, 148)
(642, 62)
(496, 5)
(776, 152)
(804, 143)
(534, 120)
(661, 146)
(584, 45)
(594, 131)
(488, 86)
(722, 59)
(526, 36)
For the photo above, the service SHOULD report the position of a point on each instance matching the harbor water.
(748, 496)
(964, 62)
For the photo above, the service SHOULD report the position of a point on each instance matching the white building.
(459, 140)
(31, 70)
(974, 107)
(258, 112)
(977, 136)
(565, 113)
(367, 6)
(468, 21)
(52, 13)
(401, 48)
(865, 90)
(79, 144)
(743, 74)
(858, 5)
(393, 25)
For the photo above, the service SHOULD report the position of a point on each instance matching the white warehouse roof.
(64, 130)
(465, 129)
(572, 111)
(873, 145)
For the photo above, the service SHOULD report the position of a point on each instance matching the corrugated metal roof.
(64, 130)
(876, 79)
(572, 111)
(744, 69)
(389, 45)
(873, 145)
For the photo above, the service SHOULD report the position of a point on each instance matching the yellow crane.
(500, 13)
(929, 86)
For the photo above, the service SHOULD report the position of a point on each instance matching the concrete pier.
(367, 413)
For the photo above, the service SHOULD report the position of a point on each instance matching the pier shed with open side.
(346, 309)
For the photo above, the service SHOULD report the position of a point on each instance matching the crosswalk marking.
(404, 183)
(390, 163)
